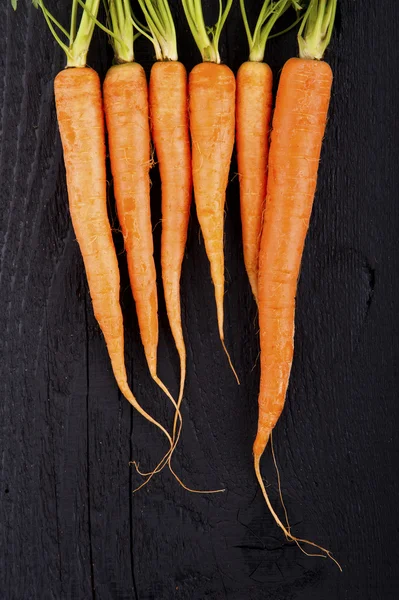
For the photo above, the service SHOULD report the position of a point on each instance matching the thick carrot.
(170, 134)
(254, 109)
(298, 128)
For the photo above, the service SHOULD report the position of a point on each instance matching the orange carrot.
(254, 109)
(169, 120)
(212, 123)
(127, 117)
(168, 98)
(298, 128)
(212, 113)
(81, 123)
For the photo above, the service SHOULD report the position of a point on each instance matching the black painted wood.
(70, 527)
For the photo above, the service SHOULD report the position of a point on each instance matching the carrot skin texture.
(126, 111)
(254, 110)
(81, 123)
(212, 125)
(168, 97)
(298, 128)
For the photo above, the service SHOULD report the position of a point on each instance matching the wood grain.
(70, 527)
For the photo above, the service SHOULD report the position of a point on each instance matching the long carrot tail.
(287, 531)
(81, 122)
(212, 126)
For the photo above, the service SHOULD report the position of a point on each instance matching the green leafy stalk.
(315, 32)
(78, 39)
(162, 32)
(206, 38)
(122, 30)
(270, 12)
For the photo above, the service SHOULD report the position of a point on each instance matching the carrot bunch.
(80, 114)
(193, 123)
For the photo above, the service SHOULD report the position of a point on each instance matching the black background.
(70, 527)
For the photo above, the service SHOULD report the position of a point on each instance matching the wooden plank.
(70, 526)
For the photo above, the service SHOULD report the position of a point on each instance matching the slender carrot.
(168, 99)
(81, 122)
(126, 111)
(212, 123)
(253, 112)
(298, 128)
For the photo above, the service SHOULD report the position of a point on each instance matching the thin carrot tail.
(183, 369)
(219, 295)
(287, 532)
(173, 442)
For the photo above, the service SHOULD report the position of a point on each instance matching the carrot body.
(212, 125)
(127, 118)
(170, 134)
(254, 109)
(298, 128)
(81, 123)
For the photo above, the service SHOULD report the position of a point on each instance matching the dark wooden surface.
(70, 527)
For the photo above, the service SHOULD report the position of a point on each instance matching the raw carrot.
(253, 115)
(126, 111)
(168, 99)
(81, 123)
(212, 124)
(298, 128)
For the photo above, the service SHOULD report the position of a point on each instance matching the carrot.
(168, 101)
(81, 123)
(212, 125)
(126, 112)
(298, 128)
(253, 115)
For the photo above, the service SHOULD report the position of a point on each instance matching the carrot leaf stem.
(74, 15)
(206, 38)
(270, 12)
(315, 32)
(78, 38)
(162, 32)
(122, 29)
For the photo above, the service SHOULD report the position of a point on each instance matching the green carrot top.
(206, 38)
(270, 12)
(316, 28)
(76, 41)
(160, 29)
(121, 30)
